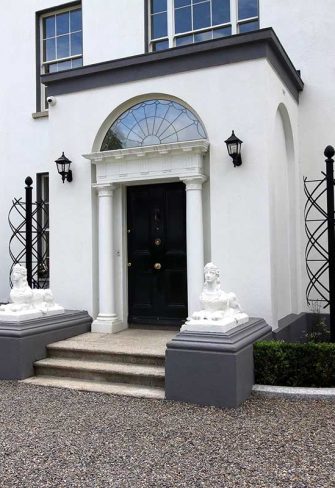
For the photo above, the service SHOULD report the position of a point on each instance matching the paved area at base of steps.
(57, 438)
(130, 341)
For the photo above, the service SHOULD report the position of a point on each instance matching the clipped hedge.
(293, 364)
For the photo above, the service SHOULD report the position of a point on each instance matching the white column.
(107, 320)
(194, 241)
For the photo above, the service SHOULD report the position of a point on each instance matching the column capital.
(194, 182)
(105, 190)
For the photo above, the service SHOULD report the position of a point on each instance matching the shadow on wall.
(283, 223)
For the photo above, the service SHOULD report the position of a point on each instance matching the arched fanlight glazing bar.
(153, 122)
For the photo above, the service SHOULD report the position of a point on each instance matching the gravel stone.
(53, 438)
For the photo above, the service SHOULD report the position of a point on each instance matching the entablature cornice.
(196, 147)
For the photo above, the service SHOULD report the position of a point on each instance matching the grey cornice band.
(233, 341)
(242, 47)
(45, 324)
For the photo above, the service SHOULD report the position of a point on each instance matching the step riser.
(103, 377)
(105, 357)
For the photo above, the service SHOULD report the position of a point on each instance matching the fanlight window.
(153, 122)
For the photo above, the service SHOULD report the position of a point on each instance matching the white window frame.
(172, 36)
(44, 64)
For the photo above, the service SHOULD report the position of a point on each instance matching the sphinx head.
(19, 274)
(212, 273)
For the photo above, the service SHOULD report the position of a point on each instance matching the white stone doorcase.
(164, 163)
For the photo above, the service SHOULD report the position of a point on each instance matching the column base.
(108, 324)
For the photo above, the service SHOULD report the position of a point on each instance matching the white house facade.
(141, 96)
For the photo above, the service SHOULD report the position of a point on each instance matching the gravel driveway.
(61, 438)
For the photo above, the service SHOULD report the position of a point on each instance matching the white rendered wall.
(248, 213)
(239, 197)
(112, 29)
(280, 220)
(285, 224)
(241, 235)
(24, 142)
(108, 32)
(306, 30)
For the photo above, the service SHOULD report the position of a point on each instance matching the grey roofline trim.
(263, 43)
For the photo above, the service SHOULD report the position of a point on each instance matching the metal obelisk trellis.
(329, 153)
(28, 244)
(320, 231)
(29, 230)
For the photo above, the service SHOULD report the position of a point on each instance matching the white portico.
(117, 169)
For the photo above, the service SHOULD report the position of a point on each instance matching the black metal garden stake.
(28, 244)
(329, 153)
(29, 229)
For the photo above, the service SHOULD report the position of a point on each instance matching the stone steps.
(87, 354)
(102, 371)
(107, 367)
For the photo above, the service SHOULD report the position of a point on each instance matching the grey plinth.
(213, 368)
(23, 343)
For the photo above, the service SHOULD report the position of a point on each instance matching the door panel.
(156, 218)
(175, 284)
(142, 295)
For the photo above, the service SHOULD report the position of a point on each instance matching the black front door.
(156, 224)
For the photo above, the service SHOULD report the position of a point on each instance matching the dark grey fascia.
(259, 44)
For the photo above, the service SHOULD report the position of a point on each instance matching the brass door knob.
(157, 266)
(129, 265)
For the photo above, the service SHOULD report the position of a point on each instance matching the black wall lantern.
(63, 168)
(234, 149)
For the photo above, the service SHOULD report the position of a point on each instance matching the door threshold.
(171, 327)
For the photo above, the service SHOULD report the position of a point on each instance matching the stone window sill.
(40, 115)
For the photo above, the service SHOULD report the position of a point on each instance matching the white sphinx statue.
(220, 310)
(26, 303)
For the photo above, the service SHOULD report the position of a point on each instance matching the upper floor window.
(177, 22)
(61, 43)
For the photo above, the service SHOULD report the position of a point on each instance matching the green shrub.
(319, 331)
(293, 364)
